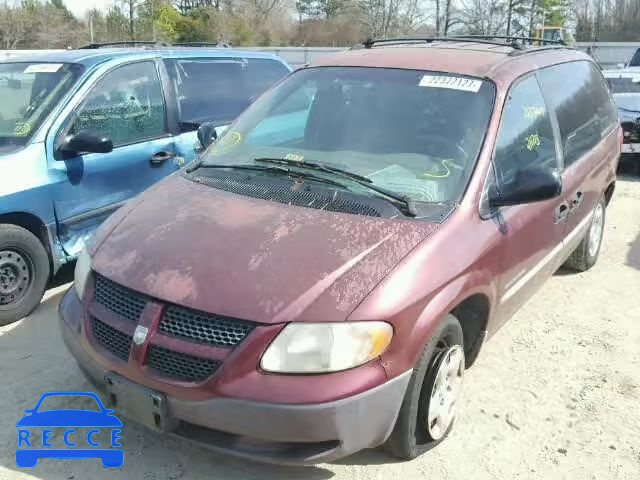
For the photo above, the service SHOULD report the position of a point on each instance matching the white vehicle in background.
(625, 88)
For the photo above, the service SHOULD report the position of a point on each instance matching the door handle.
(577, 200)
(561, 212)
(161, 157)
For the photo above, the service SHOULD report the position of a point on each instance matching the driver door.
(127, 105)
(532, 234)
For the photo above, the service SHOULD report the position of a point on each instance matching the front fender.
(417, 324)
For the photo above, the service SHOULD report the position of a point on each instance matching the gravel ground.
(554, 395)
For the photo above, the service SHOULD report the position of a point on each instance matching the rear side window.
(526, 134)
(579, 95)
(218, 89)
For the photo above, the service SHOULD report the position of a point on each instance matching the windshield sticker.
(294, 157)
(452, 83)
(43, 68)
(226, 142)
(22, 129)
(531, 113)
(533, 142)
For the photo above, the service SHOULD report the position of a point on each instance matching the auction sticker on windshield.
(452, 83)
(43, 68)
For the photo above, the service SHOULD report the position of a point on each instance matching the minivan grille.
(120, 300)
(180, 366)
(111, 339)
(184, 325)
(282, 194)
(210, 329)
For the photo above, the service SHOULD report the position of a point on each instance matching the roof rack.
(511, 38)
(151, 44)
(202, 44)
(517, 43)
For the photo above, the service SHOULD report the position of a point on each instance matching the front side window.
(578, 94)
(412, 132)
(218, 89)
(29, 91)
(126, 104)
(526, 133)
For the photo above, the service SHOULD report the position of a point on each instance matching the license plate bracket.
(145, 406)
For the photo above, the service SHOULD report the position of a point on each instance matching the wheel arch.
(473, 315)
(470, 298)
(33, 224)
(608, 193)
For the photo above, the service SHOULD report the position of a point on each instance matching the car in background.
(624, 85)
(83, 131)
(634, 60)
(343, 250)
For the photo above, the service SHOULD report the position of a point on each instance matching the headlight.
(83, 267)
(325, 347)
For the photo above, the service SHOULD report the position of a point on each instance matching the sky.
(80, 7)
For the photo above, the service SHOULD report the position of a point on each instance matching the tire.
(411, 435)
(585, 255)
(24, 273)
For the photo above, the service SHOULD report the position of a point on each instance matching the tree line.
(26, 24)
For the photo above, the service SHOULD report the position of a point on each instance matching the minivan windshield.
(29, 91)
(414, 133)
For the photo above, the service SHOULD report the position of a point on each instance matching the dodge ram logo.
(140, 335)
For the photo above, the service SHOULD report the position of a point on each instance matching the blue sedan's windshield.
(29, 91)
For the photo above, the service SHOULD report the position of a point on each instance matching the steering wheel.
(442, 147)
(451, 156)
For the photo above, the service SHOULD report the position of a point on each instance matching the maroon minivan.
(319, 280)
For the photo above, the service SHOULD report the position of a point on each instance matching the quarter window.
(526, 134)
(126, 104)
(578, 94)
(218, 89)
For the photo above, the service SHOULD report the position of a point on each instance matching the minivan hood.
(223, 253)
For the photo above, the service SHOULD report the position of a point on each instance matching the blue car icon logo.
(79, 444)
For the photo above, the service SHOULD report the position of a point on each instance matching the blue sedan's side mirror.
(207, 134)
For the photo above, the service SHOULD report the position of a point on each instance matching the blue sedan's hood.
(69, 418)
(23, 169)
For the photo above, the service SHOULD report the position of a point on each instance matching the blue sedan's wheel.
(24, 272)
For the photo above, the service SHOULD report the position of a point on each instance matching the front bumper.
(303, 434)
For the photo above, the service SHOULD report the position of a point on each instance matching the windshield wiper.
(315, 166)
(629, 110)
(280, 171)
(406, 204)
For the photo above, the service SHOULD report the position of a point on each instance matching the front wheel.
(24, 272)
(433, 395)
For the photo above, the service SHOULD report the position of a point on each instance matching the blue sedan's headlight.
(83, 267)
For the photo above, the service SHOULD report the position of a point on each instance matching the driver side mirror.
(207, 134)
(534, 184)
(86, 141)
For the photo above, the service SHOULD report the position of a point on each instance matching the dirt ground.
(554, 395)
